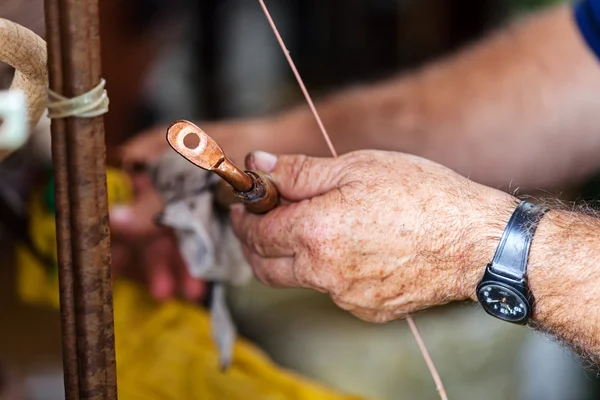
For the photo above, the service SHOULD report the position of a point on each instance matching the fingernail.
(263, 161)
(121, 214)
(236, 208)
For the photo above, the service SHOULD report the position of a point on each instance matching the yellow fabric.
(164, 351)
(35, 284)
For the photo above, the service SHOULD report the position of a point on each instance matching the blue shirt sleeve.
(587, 17)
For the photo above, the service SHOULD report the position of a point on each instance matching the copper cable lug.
(253, 188)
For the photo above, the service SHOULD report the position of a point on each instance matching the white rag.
(206, 242)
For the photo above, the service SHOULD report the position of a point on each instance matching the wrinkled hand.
(384, 234)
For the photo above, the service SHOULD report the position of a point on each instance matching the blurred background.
(217, 59)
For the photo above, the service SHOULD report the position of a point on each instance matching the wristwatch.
(503, 291)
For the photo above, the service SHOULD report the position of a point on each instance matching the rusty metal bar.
(89, 218)
(82, 211)
(102, 201)
(63, 230)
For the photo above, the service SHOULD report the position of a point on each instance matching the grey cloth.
(207, 245)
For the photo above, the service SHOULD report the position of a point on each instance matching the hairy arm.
(520, 106)
(563, 273)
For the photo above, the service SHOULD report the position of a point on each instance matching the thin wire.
(411, 323)
(286, 52)
(434, 373)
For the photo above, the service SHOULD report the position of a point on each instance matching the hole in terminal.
(191, 141)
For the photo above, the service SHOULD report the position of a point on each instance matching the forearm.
(563, 273)
(520, 106)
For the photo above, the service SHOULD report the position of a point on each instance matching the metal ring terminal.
(264, 195)
(254, 188)
(207, 154)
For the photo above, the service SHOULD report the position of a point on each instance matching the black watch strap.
(510, 259)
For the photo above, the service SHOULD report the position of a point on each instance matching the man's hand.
(385, 234)
(149, 253)
(140, 248)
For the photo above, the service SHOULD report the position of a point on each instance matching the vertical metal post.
(63, 231)
(78, 147)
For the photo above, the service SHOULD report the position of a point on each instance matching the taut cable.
(434, 373)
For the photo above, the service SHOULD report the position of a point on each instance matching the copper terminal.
(253, 188)
(197, 147)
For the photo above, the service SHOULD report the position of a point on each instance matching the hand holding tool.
(253, 188)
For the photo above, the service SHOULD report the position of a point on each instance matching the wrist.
(561, 246)
(485, 231)
(547, 231)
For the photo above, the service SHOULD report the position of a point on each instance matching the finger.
(158, 265)
(299, 177)
(272, 235)
(275, 272)
(138, 219)
(193, 289)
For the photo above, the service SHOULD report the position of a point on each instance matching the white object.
(26, 52)
(208, 246)
(14, 128)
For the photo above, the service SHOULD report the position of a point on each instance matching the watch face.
(503, 303)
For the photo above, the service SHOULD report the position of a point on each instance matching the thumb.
(299, 177)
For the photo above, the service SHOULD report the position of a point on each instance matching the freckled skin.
(384, 234)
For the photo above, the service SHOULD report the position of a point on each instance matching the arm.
(517, 108)
(563, 272)
(388, 234)
(520, 106)
(564, 275)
